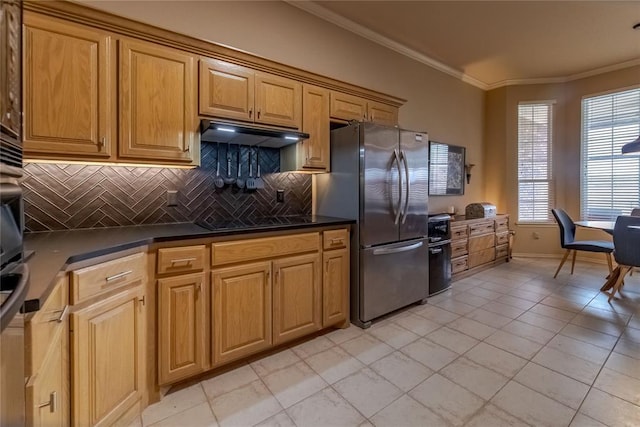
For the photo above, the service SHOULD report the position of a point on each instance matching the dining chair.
(627, 249)
(568, 241)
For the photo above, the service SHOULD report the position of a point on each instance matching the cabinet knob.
(52, 403)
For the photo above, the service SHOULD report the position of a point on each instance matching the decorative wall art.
(446, 169)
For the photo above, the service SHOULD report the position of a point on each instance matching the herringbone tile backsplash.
(66, 196)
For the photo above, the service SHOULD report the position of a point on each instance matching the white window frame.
(547, 217)
(622, 207)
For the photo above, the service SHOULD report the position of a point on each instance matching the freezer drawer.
(392, 276)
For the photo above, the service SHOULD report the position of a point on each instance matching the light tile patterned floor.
(510, 346)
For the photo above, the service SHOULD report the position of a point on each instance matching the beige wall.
(501, 137)
(451, 111)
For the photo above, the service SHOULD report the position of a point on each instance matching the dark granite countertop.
(55, 250)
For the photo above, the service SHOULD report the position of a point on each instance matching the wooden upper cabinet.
(349, 107)
(382, 113)
(226, 90)
(68, 89)
(239, 93)
(296, 297)
(157, 103)
(10, 62)
(315, 108)
(278, 101)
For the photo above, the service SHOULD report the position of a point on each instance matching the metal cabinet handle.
(397, 212)
(336, 241)
(403, 156)
(258, 114)
(385, 251)
(142, 300)
(101, 143)
(435, 250)
(62, 312)
(118, 276)
(181, 260)
(52, 403)
(250, 112)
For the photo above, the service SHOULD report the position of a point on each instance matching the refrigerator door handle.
(397, 210)
(387, 251)
(403, 156)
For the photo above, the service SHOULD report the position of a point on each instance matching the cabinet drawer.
(502, 238)
(502, 251)
(482, 257)
(458, 248)
(44, 325)
(483, 227)
(459, 232)
(180, 260)
(101, 278)
(459, 264)
(268, 247)
(335, 239)
(502, 224)
(479, 243)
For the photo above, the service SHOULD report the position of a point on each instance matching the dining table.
(607, 227)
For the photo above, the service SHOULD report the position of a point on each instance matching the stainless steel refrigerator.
(379, 177)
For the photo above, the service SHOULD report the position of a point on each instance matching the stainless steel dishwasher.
(439, 234)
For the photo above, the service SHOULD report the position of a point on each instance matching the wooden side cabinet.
(47, 361)
(241, 310)
(108, 340)
(182, 329)
(315, 101)
(349, 107)
(10, 64)
(68, 89)
(157, 103)
(335, 287)
(296, 297)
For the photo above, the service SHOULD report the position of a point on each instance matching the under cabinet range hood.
(248, 134)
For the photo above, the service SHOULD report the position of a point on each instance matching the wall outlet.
(280, 196)
(172, 198)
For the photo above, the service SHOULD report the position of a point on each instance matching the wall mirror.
(446, 169)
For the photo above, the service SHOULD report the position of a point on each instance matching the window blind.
(535, 176)
(610, 180)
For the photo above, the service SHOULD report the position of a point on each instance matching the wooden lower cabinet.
(182, 338)
(335, 287)
(241, 310)
(47, 393)
(108, 360)
(297, 302)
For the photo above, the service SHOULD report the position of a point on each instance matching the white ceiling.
(496, 43)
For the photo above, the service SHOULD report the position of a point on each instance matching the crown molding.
(375, 37)
(349, 25)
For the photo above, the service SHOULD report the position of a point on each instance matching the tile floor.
(510, 346)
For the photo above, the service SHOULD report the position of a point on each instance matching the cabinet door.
(296, 297)
(157, 102)
(335, 287)
(241, 310)
(68, 89)
(181, 333)
(382, 113)
(226, 90)
(10, 61)
(47, 393)
(348, 107)
(278, 101)
(315, 122)
(108, 358)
